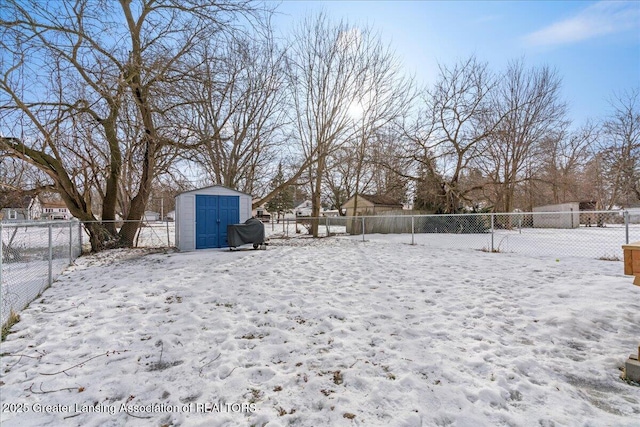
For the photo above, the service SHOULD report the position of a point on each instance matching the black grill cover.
(252, 231)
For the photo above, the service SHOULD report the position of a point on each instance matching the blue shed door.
(213, 214)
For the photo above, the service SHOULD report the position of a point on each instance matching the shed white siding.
(567, 216)
(186, 213)
(151, 216)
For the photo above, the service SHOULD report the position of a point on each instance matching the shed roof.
(213, 186)
(381, 200)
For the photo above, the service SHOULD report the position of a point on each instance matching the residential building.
(52, 210)
(18, 207)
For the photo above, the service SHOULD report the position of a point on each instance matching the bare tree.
(564, 157)
(340, 177)
(446, 140)
(595, 184)
(384, 101)
(374, 170)
(104, 56)
(387, 169)
(323, 70)
(531, 112)
(236, 102)
(619, 150)
(16, 176)
(336, 74)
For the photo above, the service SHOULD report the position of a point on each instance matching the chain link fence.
(32, 255)
(593, 234)
(150, 234)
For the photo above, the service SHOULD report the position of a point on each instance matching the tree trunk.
(317, 195)
(110, 200)
(139, 202)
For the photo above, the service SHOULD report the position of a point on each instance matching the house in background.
(151, 216)
(330, 212)
(17, 207)
(261, 213)
(55, 210)
(303, 208)
(371, 204)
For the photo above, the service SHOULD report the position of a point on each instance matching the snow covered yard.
(326, 332)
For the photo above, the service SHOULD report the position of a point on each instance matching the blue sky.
(594, 46)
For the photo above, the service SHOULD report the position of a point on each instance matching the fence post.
(412, 230)
(50, 255)
(326, 223)
(520, 224)
(80, 236)
(168, 239)
(492, 229)
(363, 229)
(626, 227)
(70, 242)
(571, 210)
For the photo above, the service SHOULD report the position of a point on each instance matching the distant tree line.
(114, 104)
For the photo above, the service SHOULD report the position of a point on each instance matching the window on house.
(13, 214)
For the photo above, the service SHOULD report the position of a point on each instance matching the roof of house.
(53, 204)
(381, 200)
(14, 200)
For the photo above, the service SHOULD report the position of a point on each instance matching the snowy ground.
(326, 332)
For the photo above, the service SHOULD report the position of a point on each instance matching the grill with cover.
(252, 231)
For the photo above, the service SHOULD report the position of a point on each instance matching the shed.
(371, 204)
(634, 215)
(151, 216)
(563, 215)
(202, 216)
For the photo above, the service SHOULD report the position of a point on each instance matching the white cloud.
(602, 18)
